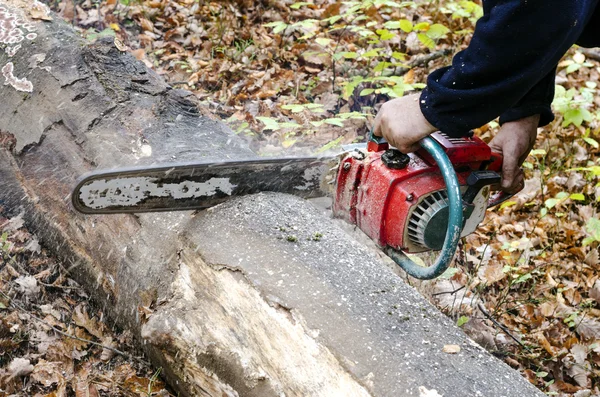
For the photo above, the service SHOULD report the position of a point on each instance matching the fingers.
(401, 122)
(510, 172)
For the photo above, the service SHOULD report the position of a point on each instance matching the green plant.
(592, 228)
(152, 383)
(573, 104)
(463, 9)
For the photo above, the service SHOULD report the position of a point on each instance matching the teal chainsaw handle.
(455, 217)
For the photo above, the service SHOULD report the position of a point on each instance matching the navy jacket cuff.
(546, 115)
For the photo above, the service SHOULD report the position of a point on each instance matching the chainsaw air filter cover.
(427, 224)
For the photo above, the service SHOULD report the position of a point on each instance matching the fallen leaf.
(67, 9)
(28, 285)
(491, 272)
(19, 367)
(107, 354)
(14, 223)
(47, 373)
(82, 319)
(580, 353)
(541, 338)
(39, 10)
(580, 374)
(588, 328)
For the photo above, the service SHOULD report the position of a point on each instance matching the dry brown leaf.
(147, 25)
(564, 387)
(491, 272)
(82, 319)
(332, 10)
(588, 328)
(541, 338)
(595, 291)
(67, 9)
(38, 10)
(107, 354)
(81, 384)
(592, 258)
(548, 308)
(579, 353)
(47, 373)
(316, 56)
(409, 77)
(19, 367)
(139, 54)
(580, 374)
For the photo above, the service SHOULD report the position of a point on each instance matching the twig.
(449, 292)
(22, 309)
(57, 286)
(333, 58)
(502, 327)
(421, 61)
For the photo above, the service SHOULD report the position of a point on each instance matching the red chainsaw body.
(379, 200)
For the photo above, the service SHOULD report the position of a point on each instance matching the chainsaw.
(406, 203)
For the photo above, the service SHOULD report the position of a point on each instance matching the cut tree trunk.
(93, 106)
(222, 300)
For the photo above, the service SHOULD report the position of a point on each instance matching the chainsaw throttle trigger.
(455, 220)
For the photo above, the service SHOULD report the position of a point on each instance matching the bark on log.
(220, 300)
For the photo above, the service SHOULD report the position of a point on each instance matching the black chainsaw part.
(395, 159)
(476, 181)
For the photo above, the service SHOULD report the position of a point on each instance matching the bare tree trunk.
(222, 300)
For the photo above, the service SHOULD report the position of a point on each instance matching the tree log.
(222, 300)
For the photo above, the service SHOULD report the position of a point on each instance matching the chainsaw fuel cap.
(395, 159)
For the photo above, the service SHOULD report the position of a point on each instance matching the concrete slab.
(382, 330)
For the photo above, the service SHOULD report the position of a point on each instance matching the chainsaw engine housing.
(400, 201)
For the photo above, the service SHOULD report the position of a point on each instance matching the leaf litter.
(301, 76)
(52, 342)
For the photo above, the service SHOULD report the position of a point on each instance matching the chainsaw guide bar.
(199, 185)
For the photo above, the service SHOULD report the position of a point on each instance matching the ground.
(298, 77)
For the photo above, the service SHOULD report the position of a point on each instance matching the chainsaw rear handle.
(499, 197)
(455, 217)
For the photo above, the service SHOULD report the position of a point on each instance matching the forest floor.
(297, 77)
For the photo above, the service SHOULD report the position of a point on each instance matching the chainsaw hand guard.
(455, 220)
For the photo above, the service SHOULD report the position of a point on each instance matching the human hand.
(401, 122)
(514, 141)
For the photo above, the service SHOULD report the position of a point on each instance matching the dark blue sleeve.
(508, 68)
(537, 101)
